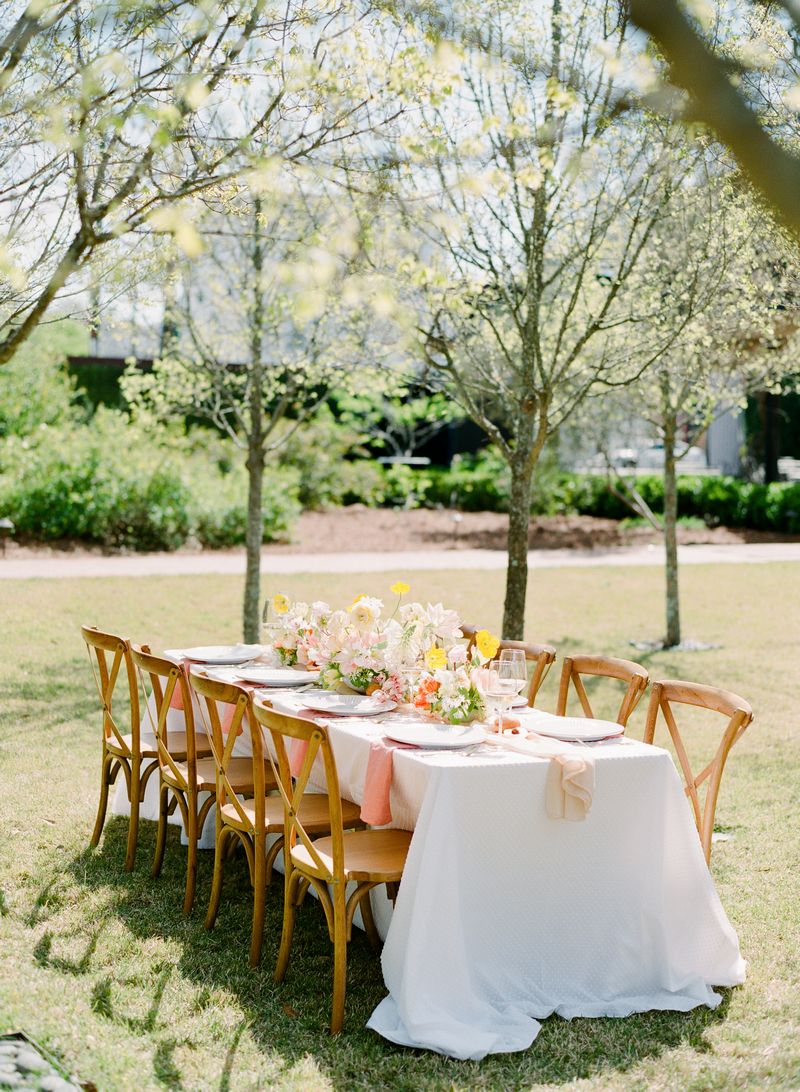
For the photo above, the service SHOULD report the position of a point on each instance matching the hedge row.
(112, 484)
(108, 484)
(716, 500)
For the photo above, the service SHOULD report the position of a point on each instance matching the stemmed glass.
(269, 626)
(507, 678)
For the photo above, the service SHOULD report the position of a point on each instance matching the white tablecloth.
(505, 916)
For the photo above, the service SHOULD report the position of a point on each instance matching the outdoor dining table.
(505, 916)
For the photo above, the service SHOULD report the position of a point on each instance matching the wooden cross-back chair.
(669, 692)
(256, 818)
(133, 752)
(541, 656)
(634, 675)
(366, 857)
(182, 779)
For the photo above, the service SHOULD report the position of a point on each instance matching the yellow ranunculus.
(357, 600)
(435, 659)
(487, 643)
(280, 603)
(399, 588)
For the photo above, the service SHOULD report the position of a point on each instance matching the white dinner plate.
(520, 701)
(215, 654)
(346, 705)
(264, 675)
(424, 733)
(572, 729)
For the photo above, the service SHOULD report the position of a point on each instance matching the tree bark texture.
(517, 571)
(255, 444)
(673, 635)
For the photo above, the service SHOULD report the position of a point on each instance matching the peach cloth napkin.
(570, 779)
(376, 808)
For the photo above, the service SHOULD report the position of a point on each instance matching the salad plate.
(264, 675)
(346, 705)
(215, 654)
(419, 732)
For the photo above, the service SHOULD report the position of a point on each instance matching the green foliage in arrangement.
(111, 484)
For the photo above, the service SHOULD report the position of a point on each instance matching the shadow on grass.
(288, 1023)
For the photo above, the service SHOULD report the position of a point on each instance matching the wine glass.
(514, 668)
(269, 626)
(506, 679)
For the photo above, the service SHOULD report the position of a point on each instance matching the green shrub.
(111, 484)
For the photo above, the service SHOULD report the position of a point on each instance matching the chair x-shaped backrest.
(112, 653)
(222, 739)
(315, 741)
(671, 692)
(166, 677)
(636, 676)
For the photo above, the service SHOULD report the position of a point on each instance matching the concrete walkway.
(166, 564)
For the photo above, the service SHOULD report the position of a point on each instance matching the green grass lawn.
(103, 969)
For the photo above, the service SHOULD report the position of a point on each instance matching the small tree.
(259, 335)
(722, 301)
(545, 206)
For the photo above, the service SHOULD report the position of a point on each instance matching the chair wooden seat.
(313, 813)
(148, 747)
(377, 856)
(240, 773)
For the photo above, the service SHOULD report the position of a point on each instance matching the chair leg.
(259, 895)
(161, 836)
(191, 856)
(369, 922)
(288, 924)
(102, 806)
(133, 825)
(339, 958)
(216, 883)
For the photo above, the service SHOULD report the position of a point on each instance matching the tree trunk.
(255, 443)
(517, 572)
(673, 636)
(254, 537)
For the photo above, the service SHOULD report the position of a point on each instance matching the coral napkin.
(376, 808)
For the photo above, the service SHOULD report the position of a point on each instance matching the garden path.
(52, 566)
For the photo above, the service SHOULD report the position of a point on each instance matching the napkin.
(570, 785)
(376, 808)
(570, 779)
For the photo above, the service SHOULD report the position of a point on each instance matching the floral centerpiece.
(414, 652)
(361, 646)
(451, 690)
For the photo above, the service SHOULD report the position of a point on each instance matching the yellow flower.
(357, 599)
(487, 643)
(435, 658)
(280, 603)
(399, 588)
